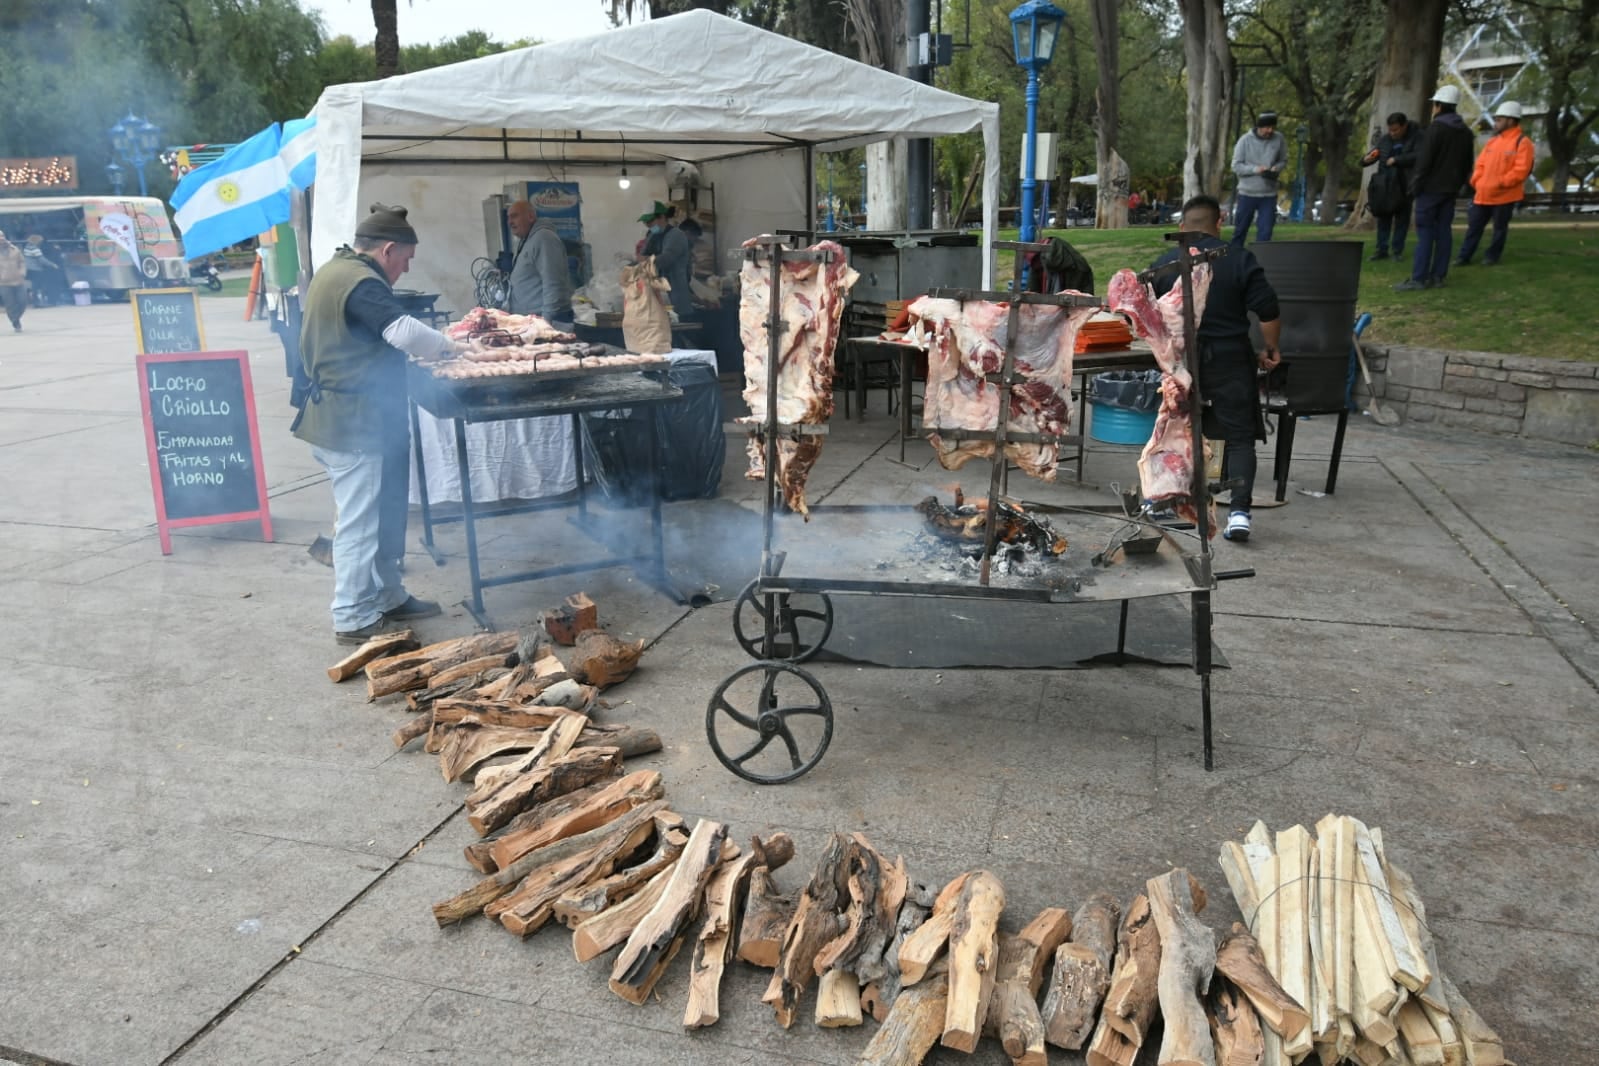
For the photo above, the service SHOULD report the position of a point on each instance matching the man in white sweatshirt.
(1258, 160)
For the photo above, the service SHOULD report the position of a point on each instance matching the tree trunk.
(1407, 73)
(1335, 143)
(1210, 68)
(386, 45)
(1113, 183)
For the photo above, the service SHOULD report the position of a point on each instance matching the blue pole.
(1029, 165)
(138, 164)
(830, 222)
(863, 195)
(1297, 212)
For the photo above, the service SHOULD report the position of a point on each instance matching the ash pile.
(1025, 544)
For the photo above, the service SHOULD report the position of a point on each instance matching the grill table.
(515, 397)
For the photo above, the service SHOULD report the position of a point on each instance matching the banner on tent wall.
(561, 203)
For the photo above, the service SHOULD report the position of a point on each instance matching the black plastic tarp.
(1128, 390)
(693, 443)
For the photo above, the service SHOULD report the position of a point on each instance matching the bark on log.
(415, 727)
(580, 904)
(464, 749)
(838, 1000)
(816, 921)
(1239, 959)
(876, 890)
(478, 852)
(1187, 961)
(412, 670)
(465, 904)
(574, 617)
(773, 852)
(378, 647)
(602, 660)
(1234, 1025)
(572, 771)
(1132, 999)
(921, 948)
(1013, 1014)
(555, 742)
(616, 799)
(659, 936)
(525, 910)
(973, 959)
(597, 935)
(877, 998)
(1081, 975)
(473, 670)
(629, 740)
(767, 914)
(475, 712)
(724, 894)
(913, 1026)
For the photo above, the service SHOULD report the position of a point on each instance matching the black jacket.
(1389, 191)
(1237, 287)
(1447, 151)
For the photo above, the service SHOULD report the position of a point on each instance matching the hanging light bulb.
(624, 182)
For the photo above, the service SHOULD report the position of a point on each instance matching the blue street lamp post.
(136, 141)
(115, 175)
(1296, 211)
(1034, 27)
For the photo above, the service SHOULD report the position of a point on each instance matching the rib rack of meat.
(811, 289)
(530, 329)
(966, 342)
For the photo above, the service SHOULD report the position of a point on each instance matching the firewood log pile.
(1333, 961)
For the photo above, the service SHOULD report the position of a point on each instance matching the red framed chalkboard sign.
(203, 442)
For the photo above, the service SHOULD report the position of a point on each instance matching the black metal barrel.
(1317, 283)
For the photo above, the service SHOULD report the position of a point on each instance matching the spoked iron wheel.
(769, 722)
(800, 631)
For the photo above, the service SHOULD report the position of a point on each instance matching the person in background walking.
(1258, 160)
(13, 282)
(1497, 181)
(1443, 166)
(1388, 194)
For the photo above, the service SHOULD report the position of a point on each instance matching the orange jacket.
(1502, 168)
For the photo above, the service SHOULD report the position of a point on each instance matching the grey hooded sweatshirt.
(1251, 152)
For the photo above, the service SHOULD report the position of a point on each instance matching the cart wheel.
(801, 716)
(801, 630)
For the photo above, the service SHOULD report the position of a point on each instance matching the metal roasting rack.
(782, 619)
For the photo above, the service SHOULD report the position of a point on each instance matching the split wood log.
(484, 712)
(767, 914)
(557, 740)
(617, 798)
(913, 1026)
(1483, 1046)
(773, 852)
(584, 766)
(919, 950)
(1404, 959)
(580, 904)
(838, 1000)
(478, 852)
(1187, 962)
(1374, 990)
(1239, 959)
(378, 647)
(1013, 1014)
(1238, 864)
(1081, 973)
(816, 921)
(876, 890)
(973, 959)
(595, 936)
(1110, 1048)
(464, 749)
(631, 741)
(724, 893)
(1132, 999)
(1370, 1053)
(1323, 1018)
(658, 937)
(877, 998)
(473, 670)
(1413, 914)
(465, 904)
(1293, 873)
(526, 910)
(414, 728)
(1343, 921)
(1421, 1040)
(412, 670)
(574, 617)
(1235, 1026)
(602, 660)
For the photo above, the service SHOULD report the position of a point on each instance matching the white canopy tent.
(748, 107)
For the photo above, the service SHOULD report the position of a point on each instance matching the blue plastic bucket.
(1115, 425)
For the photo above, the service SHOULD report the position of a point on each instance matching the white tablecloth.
(521, 459)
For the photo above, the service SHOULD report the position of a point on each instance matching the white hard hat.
(1446, 94)
(1509, 109)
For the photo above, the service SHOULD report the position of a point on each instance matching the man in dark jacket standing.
(1388, 193)
(353, 341)
(1447, 148)
(541, 281)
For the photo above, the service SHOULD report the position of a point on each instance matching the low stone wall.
(1512, 394)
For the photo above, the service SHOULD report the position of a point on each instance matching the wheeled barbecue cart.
(785, 616)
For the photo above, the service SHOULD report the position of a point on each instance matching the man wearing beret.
(353, 413)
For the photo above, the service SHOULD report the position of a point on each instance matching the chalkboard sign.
(200, 431)
(167, 320)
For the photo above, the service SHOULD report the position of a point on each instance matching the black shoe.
(1490, 262)
(1379, 257)
(366, 633)
(1412, 285)
(1461, 263)
(413, 608)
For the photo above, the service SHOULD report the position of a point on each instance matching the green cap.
(655, 212)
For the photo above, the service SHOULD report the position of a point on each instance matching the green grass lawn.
(230, 287)
(1539, 301)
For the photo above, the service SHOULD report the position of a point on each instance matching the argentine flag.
(299, 151)
(234, 198)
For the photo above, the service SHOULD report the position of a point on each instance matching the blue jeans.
(1477, 216)
(1259, 209)
(1391, 230)
(1434, 238)
(368, 535)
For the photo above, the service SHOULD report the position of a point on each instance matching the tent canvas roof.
(695, 86)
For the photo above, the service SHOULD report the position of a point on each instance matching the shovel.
(1383, 415)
